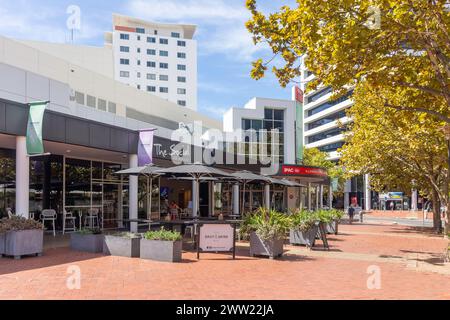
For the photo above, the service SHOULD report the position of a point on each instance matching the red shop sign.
(304, 171)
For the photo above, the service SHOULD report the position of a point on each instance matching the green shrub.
(337, 214)
(268, 224)
(303, 220)
(163, 235)
(17, 223)
(324, 216)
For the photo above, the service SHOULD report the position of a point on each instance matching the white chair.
(68, 216)
(92, 219)
(49, 215)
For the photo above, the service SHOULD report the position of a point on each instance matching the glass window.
(278, 115)
(329, 104)
(268, 114)
(181, 79)
(111, 107)
(181, 55)
(140, 30)
(124, 74)
(316, 96)
(163, 41)
(7, 181)
(181, 43)
(325, 135)
(91, 101)
(79, 97)
(163, 77)
(151, 52)
(164, 53)
(164, 90)
(181, 67)
(125, 61)
(78, 183)
(246, 124)
(181, 91)
(175, 34)
(151, 88)
(151, 76)
(151, 64)
(182, 103)
(124, 49)
(102, 104)
(124, 36)
(164, 65)
(151, 39)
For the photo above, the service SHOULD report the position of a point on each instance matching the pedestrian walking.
(351, 213)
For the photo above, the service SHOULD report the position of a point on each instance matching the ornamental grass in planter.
(87, 240)
(267, 229)
(330, 220)
(162, 245)
(122, 244)
(21, 237)
(304, 228)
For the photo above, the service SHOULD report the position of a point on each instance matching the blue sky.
(225, 48)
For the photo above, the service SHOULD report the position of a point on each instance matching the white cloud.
(213, 111)
(188, 10)
(221, 24)
(28, 20)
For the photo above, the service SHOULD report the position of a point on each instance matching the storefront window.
(7, 181)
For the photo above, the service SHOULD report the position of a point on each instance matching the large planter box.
(270, 248)
(332, 227)
(24, 243)
(121, 246)
(92, 243)
(167, 251)
(307, 238)
(2, 244)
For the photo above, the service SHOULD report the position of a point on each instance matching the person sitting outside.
(174, 210)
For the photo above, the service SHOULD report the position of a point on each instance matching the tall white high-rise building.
(159, 58)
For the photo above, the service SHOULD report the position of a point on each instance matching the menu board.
(216, 238)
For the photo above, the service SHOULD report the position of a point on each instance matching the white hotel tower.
(159, 58)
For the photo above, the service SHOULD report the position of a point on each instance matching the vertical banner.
(35, 144)
(298, 97)
(145, 147)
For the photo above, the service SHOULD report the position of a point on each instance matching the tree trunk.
(437, 222)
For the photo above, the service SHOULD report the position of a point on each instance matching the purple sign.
(145, 147)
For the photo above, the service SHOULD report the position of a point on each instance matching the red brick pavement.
(296, 276)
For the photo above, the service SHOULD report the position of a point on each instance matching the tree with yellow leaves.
(400, 49)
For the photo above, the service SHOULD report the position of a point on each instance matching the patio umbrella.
(245, 177)
(149, 171)
(197, 172)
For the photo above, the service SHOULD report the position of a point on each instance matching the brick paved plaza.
(410, 261)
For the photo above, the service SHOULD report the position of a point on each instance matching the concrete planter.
(92, 243)
(24, 243)
(332, 227)
(167, 251)
(307, 238)
(270, 248)
(2, 244)
(121, 246)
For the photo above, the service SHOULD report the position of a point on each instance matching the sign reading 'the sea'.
(216, 237)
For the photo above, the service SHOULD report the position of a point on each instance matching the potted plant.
(87, 240)
(122, 244)
(267, 229)
(21, 237)
(304, 228)
(162, 245)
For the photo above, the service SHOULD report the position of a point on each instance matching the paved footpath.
(407, 260)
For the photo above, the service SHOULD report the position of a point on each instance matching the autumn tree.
(400, 149)
(401, 47)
